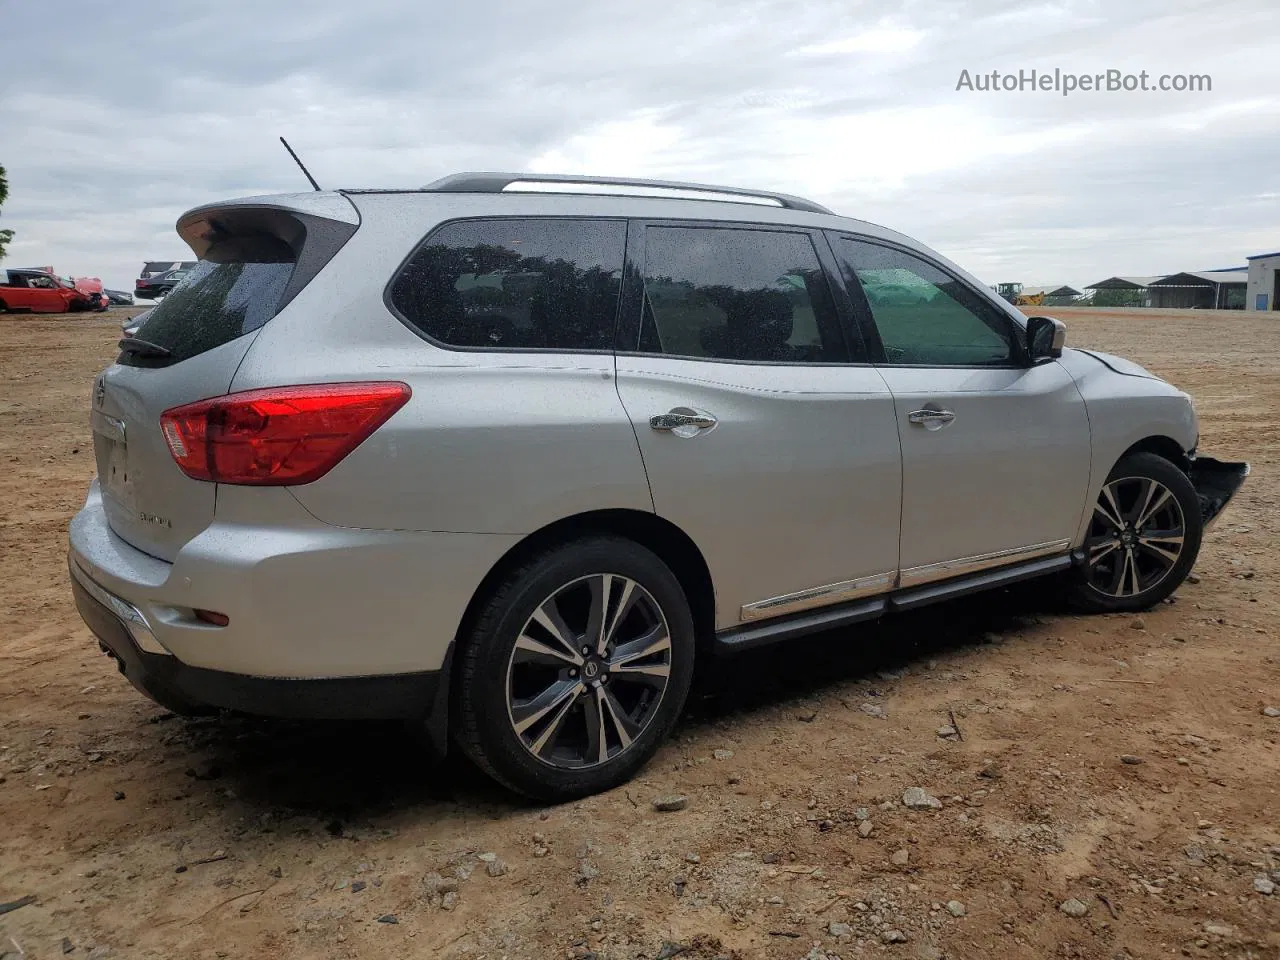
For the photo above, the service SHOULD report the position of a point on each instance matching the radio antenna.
(301, 167)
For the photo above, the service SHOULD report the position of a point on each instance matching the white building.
(1264, 282)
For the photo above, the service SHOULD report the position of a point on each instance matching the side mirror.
(1045, 338)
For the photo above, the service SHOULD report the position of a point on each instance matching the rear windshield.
(221, 298)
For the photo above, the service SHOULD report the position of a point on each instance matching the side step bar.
(947, 590)
(738, 639)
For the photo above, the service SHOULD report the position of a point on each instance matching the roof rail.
(618, 186)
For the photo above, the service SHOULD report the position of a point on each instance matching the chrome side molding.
(929, 572)
(846, 590)
(817, 597)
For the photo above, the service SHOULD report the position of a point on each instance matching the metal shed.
(1206, 290)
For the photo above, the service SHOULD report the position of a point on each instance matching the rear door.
(765, 437)
(995, 451)
(192, 344)
(37, 293)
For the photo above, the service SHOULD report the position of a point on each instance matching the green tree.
(5, 235)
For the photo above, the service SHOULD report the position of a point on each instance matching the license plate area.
(116, 481)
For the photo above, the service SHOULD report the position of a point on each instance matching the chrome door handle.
(930, 417)
(683, 423)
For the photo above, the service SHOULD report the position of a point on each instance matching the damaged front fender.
(1216, 482)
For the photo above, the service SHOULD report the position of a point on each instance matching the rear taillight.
(279, 436)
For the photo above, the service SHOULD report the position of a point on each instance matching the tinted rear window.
(215, 303)
(729, 294)
(516, 284)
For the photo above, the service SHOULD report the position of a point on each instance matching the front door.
(995, 452)
(764, 440)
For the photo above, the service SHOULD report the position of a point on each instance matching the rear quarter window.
(253, 261)
(540, 284)
(214, 304)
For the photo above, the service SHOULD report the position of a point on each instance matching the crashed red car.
(40, 290)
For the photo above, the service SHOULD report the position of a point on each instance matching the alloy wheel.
(588, 671)
(1135, 538)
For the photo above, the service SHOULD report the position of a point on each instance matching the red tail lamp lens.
(279, 436)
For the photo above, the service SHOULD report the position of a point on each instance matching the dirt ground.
(144, 835)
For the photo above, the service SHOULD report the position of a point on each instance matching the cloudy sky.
(116, 118)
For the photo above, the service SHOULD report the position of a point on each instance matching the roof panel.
(1124, 283)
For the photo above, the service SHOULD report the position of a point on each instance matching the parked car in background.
(153, 268)
(160, 285)
(583, 430)
(129, 326)
(156, 278)
(119, 298)
(40, 290)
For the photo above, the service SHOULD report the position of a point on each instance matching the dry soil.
(143, 835)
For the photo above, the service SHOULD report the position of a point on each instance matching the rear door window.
(737, 294)
(523, 284)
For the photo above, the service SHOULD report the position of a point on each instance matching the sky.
(143, 109)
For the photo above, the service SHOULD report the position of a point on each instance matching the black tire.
(486, 700)
(1143, 566)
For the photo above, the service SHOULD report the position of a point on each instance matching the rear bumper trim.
(190, 690)
(133, 619)
(1216, 482)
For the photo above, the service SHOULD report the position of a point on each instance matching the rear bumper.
(194, 690)
(303, 598)
(1216, 482)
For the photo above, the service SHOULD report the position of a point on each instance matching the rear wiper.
(144, 348)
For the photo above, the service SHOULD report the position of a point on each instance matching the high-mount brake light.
(280, 436)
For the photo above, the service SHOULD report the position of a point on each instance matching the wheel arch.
(1162, 446)
(671, 545)
(668, 542)
(1156, 438)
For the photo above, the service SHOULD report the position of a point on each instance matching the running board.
(935, 592)
(788, 628)
(737, 639)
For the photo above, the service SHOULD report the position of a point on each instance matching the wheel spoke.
(1108, 509)
(655, 673)
(529, 712)
(552, 729)
(548, 617)
(1166, 546)
(610, 707)
(541, 651)
(1117, 575)
(1132, 586)
(1154, 503)
(597, 750)
(1140, 500)
(625, 604)
(652, 643)
(1102, 548)
(601, 587)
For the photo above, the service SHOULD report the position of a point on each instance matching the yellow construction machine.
(1013, 293)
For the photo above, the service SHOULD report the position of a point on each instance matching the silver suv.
(501, 454)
